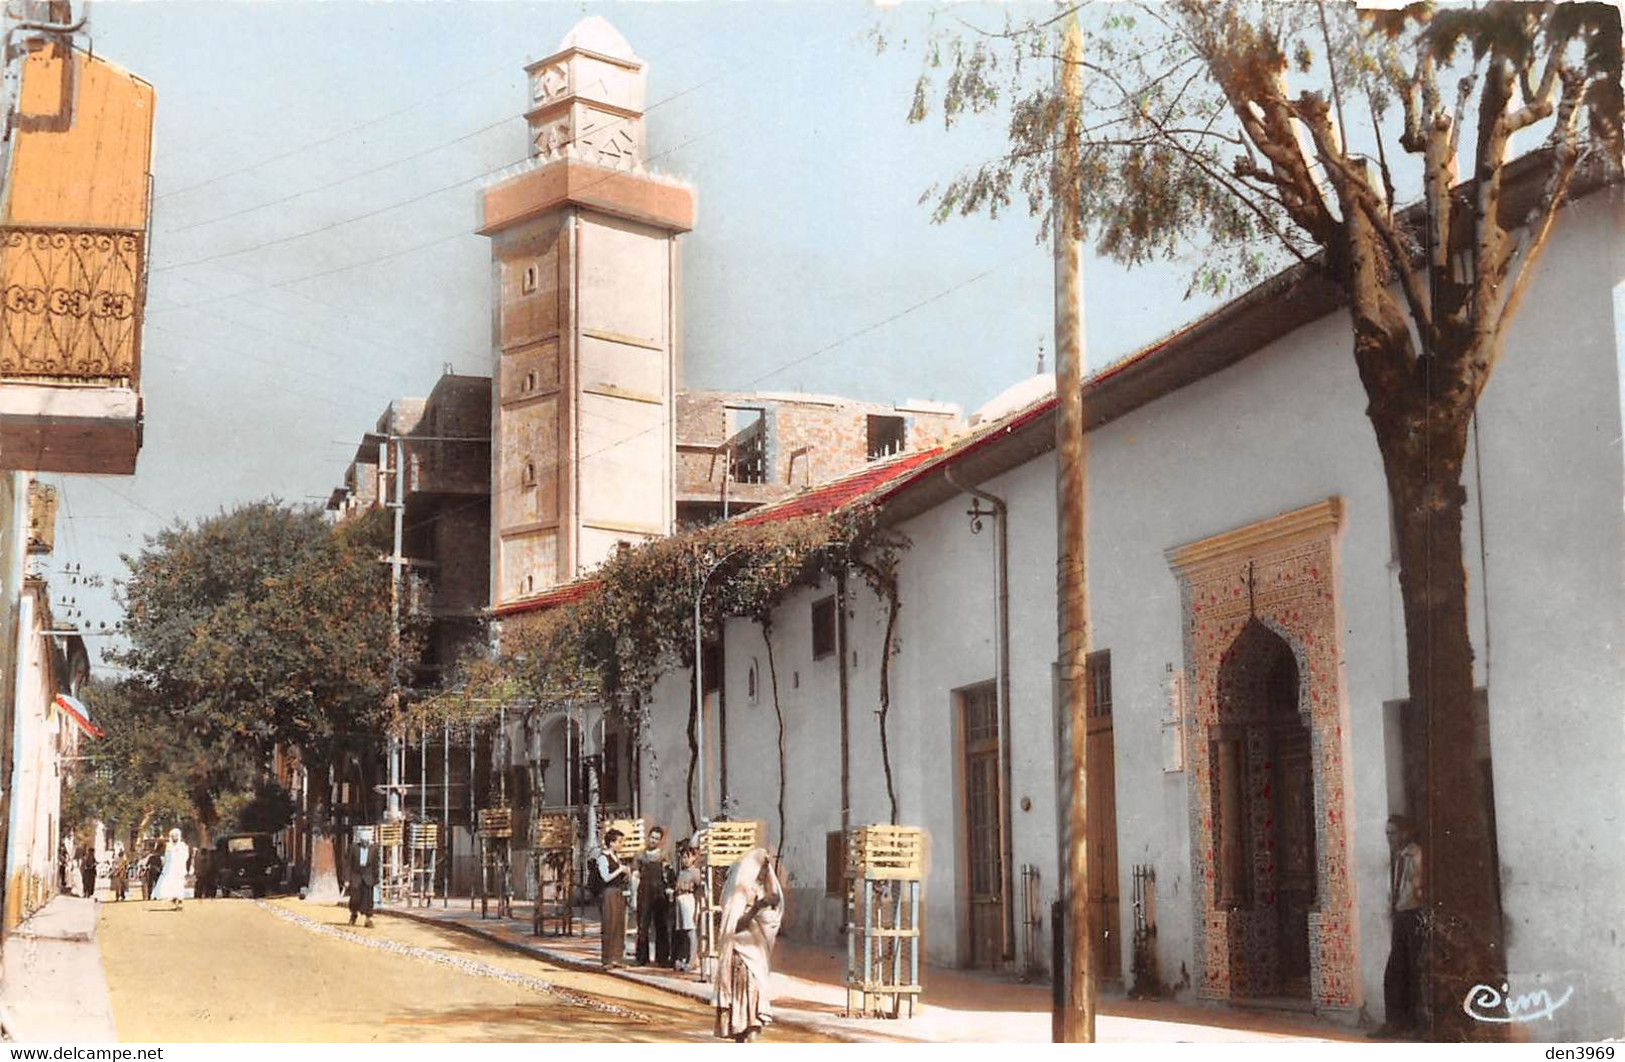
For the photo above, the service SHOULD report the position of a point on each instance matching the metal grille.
(70, 303)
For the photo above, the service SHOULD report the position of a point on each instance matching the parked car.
(247, 861)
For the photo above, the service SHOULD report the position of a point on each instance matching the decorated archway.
(1266, 740)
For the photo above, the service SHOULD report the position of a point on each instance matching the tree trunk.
(1466, 942)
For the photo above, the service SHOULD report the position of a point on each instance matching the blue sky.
(316, 173)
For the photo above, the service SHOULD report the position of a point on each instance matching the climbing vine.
(634, 620)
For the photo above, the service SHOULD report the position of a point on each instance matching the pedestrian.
(64, 856)
(655, 889)
(689, 882)
(752, 905)
(613, 879)
(151, 864)
(362, 876)
(203, 883)
(87, 873)
(171, 883)
(120, 876)
(1402, 980)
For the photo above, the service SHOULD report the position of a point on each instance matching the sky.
(316, 175)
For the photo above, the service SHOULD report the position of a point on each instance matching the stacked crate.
(726, 843)
(885, 869)
(423, 847)
(388, 839)
(555, 872)
(496, 838)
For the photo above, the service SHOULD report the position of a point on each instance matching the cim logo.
(1484, 1003)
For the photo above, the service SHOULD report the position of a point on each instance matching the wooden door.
(983, 811)
(1295, 855)
(1105, 907)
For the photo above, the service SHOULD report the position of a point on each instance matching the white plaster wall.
(1553, 475)
(1283, 429)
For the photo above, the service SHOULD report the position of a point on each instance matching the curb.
(572, 963)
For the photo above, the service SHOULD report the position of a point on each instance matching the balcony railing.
(71, 304)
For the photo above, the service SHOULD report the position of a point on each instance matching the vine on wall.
(635, 621)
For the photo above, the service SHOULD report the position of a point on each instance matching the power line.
(665, 421)
(731, 72)
(437, 97)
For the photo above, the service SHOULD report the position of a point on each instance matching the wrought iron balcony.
(71, 305)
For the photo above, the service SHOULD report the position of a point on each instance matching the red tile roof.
(558, 595)
(835, 494)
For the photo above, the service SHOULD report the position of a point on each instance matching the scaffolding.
(885, 871)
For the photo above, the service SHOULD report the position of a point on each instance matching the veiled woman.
(752, 906)
(172, 879)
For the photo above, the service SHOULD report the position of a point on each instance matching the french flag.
(79, 714)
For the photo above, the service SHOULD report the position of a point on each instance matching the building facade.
(1249, 732)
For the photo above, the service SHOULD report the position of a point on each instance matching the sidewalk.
(809, 990)
(51, 983)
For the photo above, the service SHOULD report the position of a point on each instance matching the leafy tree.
(148, 773)
(264, 626)
(1193, 135)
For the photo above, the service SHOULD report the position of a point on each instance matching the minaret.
(586, 325)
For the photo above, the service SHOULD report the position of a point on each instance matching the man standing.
(362, 875)
(612, 877)
(655, 883)
(1402, 980)
(87, 873)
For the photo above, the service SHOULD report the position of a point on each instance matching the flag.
(77, 711)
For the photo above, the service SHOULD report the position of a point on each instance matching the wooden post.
(1077, 1020)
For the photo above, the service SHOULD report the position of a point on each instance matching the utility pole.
(1076, 1022)
(389, 459)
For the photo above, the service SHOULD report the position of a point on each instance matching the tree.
(263, 627)
(146, 773)
(1193, 135)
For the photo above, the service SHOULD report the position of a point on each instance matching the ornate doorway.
(1266, 739)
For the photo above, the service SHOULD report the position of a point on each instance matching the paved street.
(234, 970)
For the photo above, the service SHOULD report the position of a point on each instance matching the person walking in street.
(686, 946)
(64, 857)
(655, 885)
(171, 884)
(150, 867)
(87, 873)
(119, 876)
(1402, 981)
(361, 877)
(613, 878)
(752, 906)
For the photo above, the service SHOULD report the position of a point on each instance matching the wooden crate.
(726, 843)
(632, 839)
(496, 822)
(555, 830)
(885, 853)
(423, 835)
(387, 835)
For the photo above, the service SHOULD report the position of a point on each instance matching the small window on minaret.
(527, 283)
(528, 476)
(530, 584)
(530, 382)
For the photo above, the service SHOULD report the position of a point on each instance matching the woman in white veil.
(752, 907)
(172, 880)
